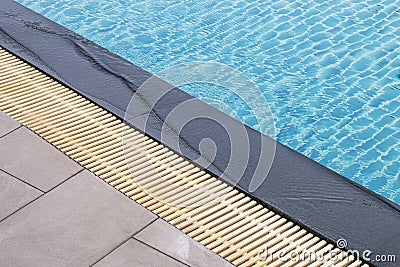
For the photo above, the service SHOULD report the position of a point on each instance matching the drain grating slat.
(210, 211)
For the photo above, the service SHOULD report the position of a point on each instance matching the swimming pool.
(330, 72)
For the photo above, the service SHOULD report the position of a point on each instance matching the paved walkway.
(55, 213)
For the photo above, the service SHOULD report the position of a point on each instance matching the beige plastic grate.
(224, 220)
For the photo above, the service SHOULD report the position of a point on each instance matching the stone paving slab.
(166, 238)
(75, 224)
(135, 253)
(33, 160)
(80, 221)
(14, 194)
(7, 124)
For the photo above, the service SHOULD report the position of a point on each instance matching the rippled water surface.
(330, 70)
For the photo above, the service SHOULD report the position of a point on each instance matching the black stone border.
(299, 188)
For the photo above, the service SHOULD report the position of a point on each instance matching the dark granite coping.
(322, 201)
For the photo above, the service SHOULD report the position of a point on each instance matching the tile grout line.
(13, 130)
(147, 225)
(69, 178)
(123, 242)
(144, 243)
(181, 233)
(43, 194)
(21, 180)
(30, 202)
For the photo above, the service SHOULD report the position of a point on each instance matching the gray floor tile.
(30, 158)
(175, 243)
(134, 253)
(75, 224)
(7, 124)
(14, 194)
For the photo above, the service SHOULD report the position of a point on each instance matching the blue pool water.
(330, 70)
